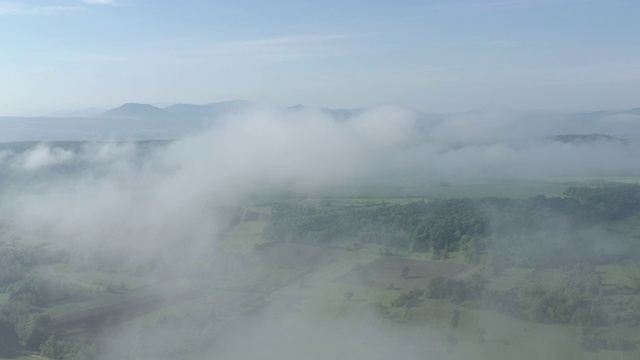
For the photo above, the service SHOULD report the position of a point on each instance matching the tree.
(57, 349)
(33, 328)
(405, 272)
(50, 348)
(455, 318)
(30, 289)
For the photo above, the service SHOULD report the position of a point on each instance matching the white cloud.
(41, 157)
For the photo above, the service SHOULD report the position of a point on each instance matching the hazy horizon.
(98, 111)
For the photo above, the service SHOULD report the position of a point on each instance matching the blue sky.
(440, 56)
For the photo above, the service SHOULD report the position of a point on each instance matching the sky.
(436, 56)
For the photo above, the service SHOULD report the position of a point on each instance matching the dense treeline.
(20, 316)
(540, 231)
(576, 298)
(457, 291)
(438, 225)
(14, 264)
(607, 202)
(67, 349)
(569, 301)
(27, 293)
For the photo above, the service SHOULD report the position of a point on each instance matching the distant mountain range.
(134, 110)
(135, 121)
(191, 111)
(582, 127)
(137, 110)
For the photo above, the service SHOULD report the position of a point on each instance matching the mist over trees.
(157, 216)
(473, 226)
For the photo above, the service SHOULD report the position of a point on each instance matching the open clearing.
(386, 272)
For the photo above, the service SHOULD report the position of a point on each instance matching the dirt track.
(93, 322)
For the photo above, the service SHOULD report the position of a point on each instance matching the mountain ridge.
(133, 109)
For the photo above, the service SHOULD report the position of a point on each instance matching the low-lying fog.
(150, 198)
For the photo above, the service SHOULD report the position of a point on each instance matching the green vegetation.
(57, 349)
(537, 231)
(548, 270)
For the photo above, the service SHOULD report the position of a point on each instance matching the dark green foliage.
(570, 301)
(14, 264)
(589, 316)
(594, 340)
(302, 224)
(538, 232)
(410, 299)
(30, 290)
(455, 318)
(19, 318)
(405, 272)
(250, 215)
(610, 202)
(582, 281)
(57, 349)
(551, 307)
(472, 247)
(419, 226)
(37, 291)
(33, 328)
(13, 311)
(457, 291)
